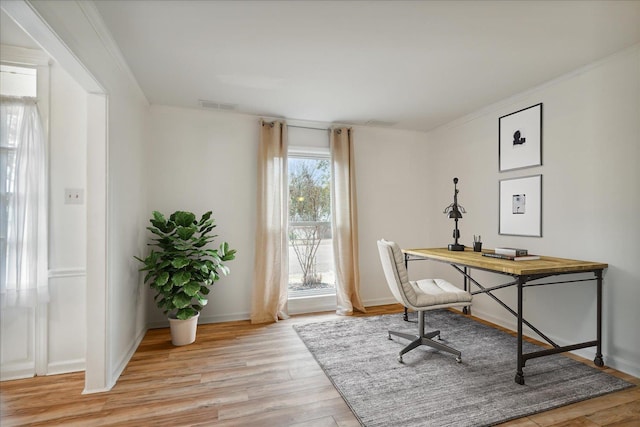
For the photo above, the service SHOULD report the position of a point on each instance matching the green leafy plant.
(181, 268)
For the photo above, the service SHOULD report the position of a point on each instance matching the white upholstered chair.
(421, 296)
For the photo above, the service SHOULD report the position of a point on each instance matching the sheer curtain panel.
(23, 192)
(345, 224)
(269, 302)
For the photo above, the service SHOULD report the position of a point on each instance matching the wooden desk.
(522, 272)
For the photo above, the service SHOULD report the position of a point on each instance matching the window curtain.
(271, 272)
(344, 222)
(23, 216)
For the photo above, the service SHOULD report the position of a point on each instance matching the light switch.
(73, 196)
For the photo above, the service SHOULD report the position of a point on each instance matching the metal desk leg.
(406, 265)
(519, 373)
(598, 360)
(467, 308)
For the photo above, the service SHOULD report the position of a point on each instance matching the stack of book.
(513, 254)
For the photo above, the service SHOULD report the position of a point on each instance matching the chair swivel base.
(417, 340)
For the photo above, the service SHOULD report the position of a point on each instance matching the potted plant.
(181, 268)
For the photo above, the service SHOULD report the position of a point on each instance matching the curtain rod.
(14, 98)
(306, 127)
(283, 121)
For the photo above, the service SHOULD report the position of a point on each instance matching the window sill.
(308, 302)
(309, 293)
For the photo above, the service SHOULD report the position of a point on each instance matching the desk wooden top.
(469, 258)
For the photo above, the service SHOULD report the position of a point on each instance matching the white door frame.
(97, 377)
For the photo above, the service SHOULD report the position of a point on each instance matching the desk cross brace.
(521, 282)
(484, 290)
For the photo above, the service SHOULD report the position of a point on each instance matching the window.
(23, 191)
(311, 268)
(16, 82)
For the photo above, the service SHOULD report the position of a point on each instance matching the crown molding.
(94, 19)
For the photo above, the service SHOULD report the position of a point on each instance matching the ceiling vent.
(380, 123)
(211, 105)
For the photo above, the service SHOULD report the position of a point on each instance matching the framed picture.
(520, 139)
(520, 207)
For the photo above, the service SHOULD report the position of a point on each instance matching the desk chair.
(421, 296)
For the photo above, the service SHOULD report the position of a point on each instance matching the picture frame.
(520, 139)
(520, 206)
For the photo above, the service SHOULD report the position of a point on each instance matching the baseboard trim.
(379, 301)
(97, 390)
(66, 367)
(626, 366)
(614, 362)
(124, 361)
(232, 317)
(17, 371)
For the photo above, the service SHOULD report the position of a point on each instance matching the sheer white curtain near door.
(271, 261)
(345, 223)
(23, 216)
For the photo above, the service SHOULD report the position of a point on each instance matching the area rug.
(430, 388)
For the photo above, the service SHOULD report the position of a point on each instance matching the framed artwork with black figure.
(520, 139)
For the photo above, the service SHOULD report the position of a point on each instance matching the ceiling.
(408, 65)
(11, 34)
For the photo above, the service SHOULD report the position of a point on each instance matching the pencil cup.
(477, 246)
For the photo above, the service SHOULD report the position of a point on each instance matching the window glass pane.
(311, 270)
(21, 82)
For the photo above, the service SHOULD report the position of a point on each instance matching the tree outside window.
(310, 219)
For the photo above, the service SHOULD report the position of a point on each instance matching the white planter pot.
(183, 332)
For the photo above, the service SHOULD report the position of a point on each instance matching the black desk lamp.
(455, 211)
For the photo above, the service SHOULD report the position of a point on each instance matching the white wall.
(392, 202)
(202, 160)
(591, 199)
(128, 135)
(67, 224)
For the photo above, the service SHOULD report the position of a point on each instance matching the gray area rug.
(430, 388)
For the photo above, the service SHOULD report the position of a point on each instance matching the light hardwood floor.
(238, 374)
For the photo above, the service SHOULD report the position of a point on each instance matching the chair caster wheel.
(400, 359)
(459, 359)
(519, 379)
(598, 361)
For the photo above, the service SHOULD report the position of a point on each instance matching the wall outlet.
(73, 196)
